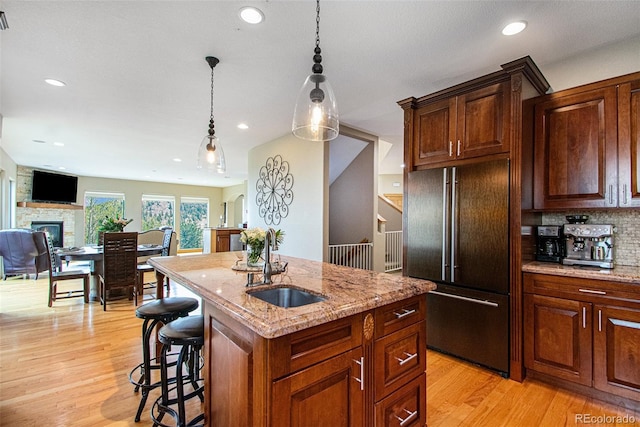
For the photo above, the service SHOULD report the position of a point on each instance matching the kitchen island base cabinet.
(585, 332)
(323, 375)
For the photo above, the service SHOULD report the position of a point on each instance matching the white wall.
(386, 181)
(304, 226)
(597, 64)
(8, 172)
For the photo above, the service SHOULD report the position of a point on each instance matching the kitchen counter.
(348, 291)
(620, 273)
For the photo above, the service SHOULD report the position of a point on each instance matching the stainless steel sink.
(286, 296)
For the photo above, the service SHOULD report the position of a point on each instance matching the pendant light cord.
(317, 23)
(212, 130)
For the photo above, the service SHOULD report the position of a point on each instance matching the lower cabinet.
(364, 370)
(586, 332)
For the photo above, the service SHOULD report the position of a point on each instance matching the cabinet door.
(558, 338)
(325, 394)
(629, 144)
(223, 242)
(406, 407)
(483, 122)
(616, 351)
(576, 150)
(434, 133)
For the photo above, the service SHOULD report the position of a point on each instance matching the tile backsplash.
(627, 237)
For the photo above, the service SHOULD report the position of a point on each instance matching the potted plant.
(254, 239)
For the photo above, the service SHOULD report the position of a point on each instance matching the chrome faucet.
(270, 239)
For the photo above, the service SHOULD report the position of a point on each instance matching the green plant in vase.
(254, 239)
(110, 224)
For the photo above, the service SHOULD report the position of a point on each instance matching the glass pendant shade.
(315, 117)
(211, 156)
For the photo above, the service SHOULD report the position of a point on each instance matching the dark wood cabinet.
(616, 351)
(582, 137)
(629, 144)
(469, 125)
(558, 337)
(348, 372)
(218, 239)
(584, 331)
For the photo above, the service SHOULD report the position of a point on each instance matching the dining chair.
(146, 268)
(120, 256)
(56, 275)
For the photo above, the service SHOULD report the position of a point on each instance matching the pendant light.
(315, 117)
(210, 153)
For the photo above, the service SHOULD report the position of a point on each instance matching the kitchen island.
(356, 358)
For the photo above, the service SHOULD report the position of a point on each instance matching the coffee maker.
(549, 243)
(588, 244)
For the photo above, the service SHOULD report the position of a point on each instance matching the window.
(158, 211)
(97, 206)
(194, 217)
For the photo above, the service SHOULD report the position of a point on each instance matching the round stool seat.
(159, 309)
(183, 331)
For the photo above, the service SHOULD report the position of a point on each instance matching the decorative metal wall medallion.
(273, 188)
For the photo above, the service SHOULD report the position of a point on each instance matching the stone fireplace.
(54, 228)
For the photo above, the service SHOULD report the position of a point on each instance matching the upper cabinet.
(469, 125)
(470, 120)
(586, 146)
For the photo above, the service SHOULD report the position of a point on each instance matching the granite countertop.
(347, 290)
(620, 273)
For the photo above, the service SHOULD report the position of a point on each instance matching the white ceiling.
(137, 93)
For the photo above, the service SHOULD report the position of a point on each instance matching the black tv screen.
(53, 187)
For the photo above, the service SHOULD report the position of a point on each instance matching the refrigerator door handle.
(473, 300)
(452, 259)
(443, 269)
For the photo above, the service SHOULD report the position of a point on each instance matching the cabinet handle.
(610, 194)
(450, 148)
(403, 421)
(589, 291)
(361, 379)
(584, 317)
(404, 313)
(624, 192)
(599, 320)
(403, 361)
(460, 297)
(458, 151)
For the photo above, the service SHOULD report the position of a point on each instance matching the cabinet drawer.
(399, 315)
(589, 290)
(406, 407)
(309, 346)
(399, 357)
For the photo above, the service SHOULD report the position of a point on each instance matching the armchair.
(24, 252)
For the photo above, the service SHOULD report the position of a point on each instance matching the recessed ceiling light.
(177, 160)
(54, 82)
(243, 126)
(251, 15)
(514, 28)
(59, 144)
(62, 168)
(39, 141)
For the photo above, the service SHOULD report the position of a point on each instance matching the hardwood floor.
(68, 366)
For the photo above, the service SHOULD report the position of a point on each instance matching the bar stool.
(159, 311)
(187, 332)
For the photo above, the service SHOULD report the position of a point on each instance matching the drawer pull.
(589, 291)
(361, 379)
(404, 313)
(403, 361)
(403, 421)
(460, 297)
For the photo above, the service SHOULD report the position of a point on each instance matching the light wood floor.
(68, 366)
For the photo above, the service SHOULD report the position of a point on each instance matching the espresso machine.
(549, 243)
(588, 244)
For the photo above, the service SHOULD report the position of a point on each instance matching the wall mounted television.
(53, 187)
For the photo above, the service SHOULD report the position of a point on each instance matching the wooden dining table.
(94, 255)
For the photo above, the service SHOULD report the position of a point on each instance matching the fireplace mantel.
(40, 205)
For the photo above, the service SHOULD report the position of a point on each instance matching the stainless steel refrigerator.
(458, 236)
